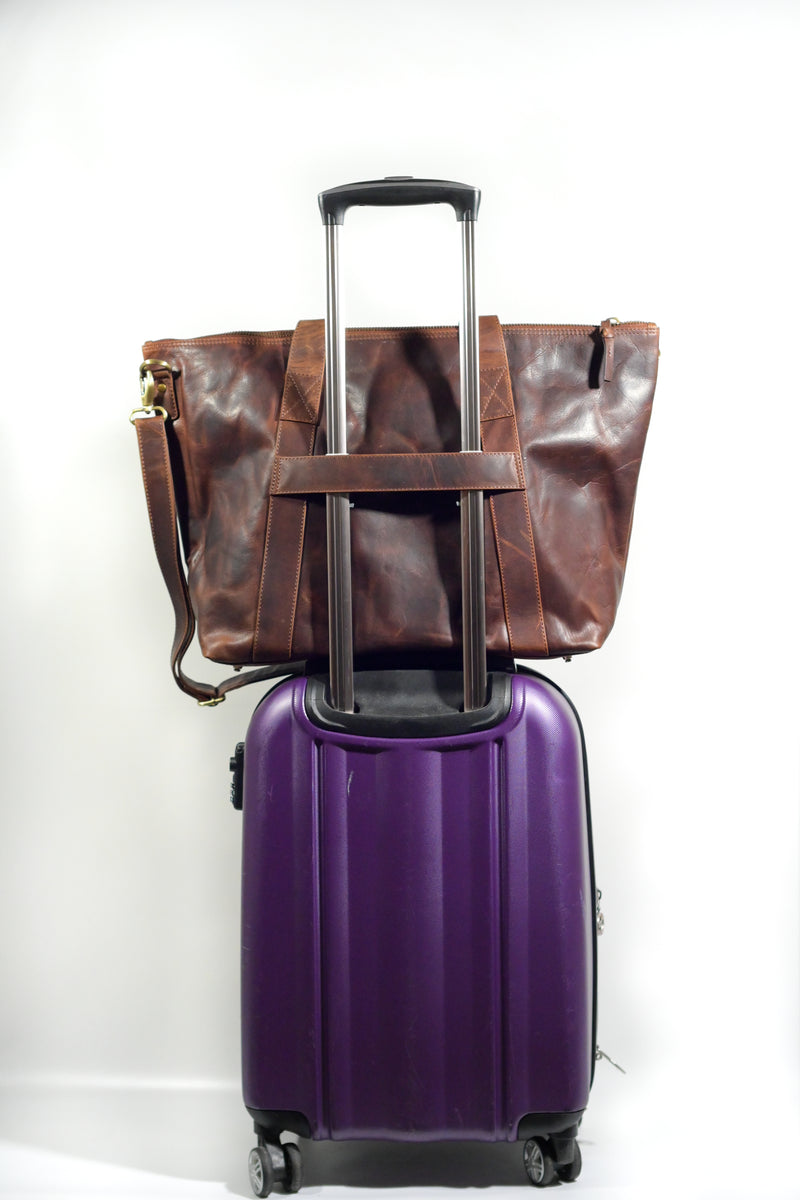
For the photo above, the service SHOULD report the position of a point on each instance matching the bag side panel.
(582, 440)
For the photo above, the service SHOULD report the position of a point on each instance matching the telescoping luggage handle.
(403, 190)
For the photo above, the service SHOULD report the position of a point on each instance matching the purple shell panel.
(417, 923)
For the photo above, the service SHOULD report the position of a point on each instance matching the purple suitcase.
(418, 929)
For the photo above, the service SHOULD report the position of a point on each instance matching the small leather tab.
(607, 331)
(168, 399)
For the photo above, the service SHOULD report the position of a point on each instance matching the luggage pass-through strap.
(346, 473)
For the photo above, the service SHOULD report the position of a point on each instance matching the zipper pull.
(607, 330)
(598, 1054)
(599, 919)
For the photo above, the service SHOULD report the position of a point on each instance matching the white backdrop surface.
(159, 170)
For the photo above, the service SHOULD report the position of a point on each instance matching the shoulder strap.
(160, 494)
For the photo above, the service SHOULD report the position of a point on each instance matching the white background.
(160, 165)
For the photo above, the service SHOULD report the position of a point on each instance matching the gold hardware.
(148, 410)
(150, 390)
(147, 384)
(212, 703)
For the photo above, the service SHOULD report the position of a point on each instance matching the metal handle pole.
(340, 600)
(340, 597)
(473, 583)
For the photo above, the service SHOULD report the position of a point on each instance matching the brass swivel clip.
(150, 390)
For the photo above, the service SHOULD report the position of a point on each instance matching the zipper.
(282, 335)
(645, 326)
(607, 329)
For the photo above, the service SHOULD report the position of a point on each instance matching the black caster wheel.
(262, 1174)
(569, 1172)
(538, 1162)
(294, 1168)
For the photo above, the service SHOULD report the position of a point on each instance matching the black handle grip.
(399, 189)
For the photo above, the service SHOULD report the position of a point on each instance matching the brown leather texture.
(336, 473)
(568, 407)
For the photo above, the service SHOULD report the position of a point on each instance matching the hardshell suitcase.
(418, 916)
(418, 929)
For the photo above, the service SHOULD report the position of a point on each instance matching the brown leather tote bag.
(232, 443)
